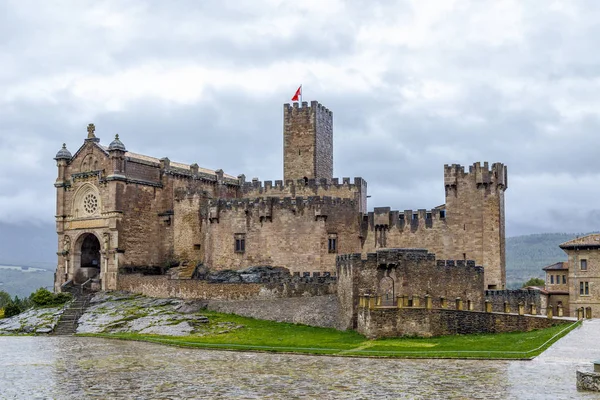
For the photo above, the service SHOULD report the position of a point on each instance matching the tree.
(4, 299)
(539, 282)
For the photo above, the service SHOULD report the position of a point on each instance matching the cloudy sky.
(413, 85)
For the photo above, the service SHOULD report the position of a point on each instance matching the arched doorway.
(89, 258)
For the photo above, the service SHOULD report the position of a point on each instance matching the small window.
(415, 217)
(428, 215)
(581, 288)
(196, 247)
(564, 279)
(586, 288)
(401, 217)
(552, 279)
(240, 242)
(442, 213)
(332, 243)
(583, 264)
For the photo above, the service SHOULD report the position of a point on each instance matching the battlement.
(295, 110)
(482, 175)
(385, 217)
(355, 190)
(284, 202)
(257, 186)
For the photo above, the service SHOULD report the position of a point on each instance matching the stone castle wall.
(394, 322)
(288, 232)
(513, 297)
(162, 286)
(414, 273)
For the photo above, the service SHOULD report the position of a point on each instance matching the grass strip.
(248, 334)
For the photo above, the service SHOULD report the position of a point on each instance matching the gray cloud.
(413, 86)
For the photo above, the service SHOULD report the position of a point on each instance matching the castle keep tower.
(475, 213)
(307, 141)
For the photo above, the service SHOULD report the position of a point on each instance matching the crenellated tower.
(475, 213)
(307, 141)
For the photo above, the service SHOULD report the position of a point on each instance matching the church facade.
(119, 212)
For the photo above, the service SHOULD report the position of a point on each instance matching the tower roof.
(586, 242)
(63, 154)
(116, 144)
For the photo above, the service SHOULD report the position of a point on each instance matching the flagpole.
(300, 93)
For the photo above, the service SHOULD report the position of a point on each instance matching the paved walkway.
(552, 375)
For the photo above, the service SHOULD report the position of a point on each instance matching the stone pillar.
(378, 302)
(405, 300)
(372, 301)
(488, 306)
(549, 312)
(532, 309)
(459, 304)
(469, 305)
(588, 312)
(399, 301)
(415, 301)
(443, 302)
(559, 310)
(521, 309)
(428, 302)
(506, 307)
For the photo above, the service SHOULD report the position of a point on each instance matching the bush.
(4, 299)
(535, 282)
(11, 309)
(44, 298)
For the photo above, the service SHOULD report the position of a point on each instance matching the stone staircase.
(67, 324)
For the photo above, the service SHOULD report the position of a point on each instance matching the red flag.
(297, 94)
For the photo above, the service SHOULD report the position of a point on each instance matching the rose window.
(90, 203)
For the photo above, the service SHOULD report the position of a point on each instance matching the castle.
(121, 211)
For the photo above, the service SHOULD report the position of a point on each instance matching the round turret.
(116, 144)
(63, 154)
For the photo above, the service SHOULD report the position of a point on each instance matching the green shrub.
(11, 309)
(44, 298)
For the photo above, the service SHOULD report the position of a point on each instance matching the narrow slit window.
(552, 279)
(332, 243)
(583, 264)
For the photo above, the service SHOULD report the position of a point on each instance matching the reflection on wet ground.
(79, 368)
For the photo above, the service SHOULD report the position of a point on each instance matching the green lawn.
(259, 335)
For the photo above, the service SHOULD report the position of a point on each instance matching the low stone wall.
(162, 286)
(315, 311)
(513, 297)
(394, 322)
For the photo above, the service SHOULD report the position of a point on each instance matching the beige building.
(557, 286)
(119, 212)
(583, 276)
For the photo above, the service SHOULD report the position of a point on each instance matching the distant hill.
(527, 255)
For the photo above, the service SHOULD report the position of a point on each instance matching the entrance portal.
(90, 258)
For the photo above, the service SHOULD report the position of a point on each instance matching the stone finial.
(91, 128)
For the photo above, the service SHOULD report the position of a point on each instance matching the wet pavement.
(82, 368)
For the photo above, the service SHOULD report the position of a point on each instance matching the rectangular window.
(332, 243)
(583, 264)
(240, 242)
(442, 213)
(564, 279)
(552, 279)
(587, 288)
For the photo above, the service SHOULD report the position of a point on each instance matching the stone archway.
(87, 258)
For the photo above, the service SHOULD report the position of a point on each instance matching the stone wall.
(414, 273)
(513, 297)
(292, 233)
(162, 286)
(394, 322)
(315, 311)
